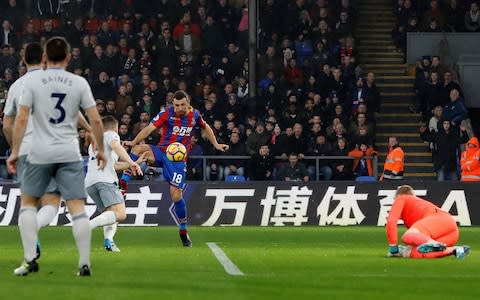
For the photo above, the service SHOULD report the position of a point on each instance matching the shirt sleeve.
(392, 220)
(26, 96)
(10, 106)
(199, 120)
(160, 118)
(110, 136)
(87, 99)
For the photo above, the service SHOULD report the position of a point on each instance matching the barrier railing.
(317, 159)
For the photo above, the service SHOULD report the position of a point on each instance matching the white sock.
(46, 214)
(83, 237)
(27, 223)
(109, 231)
(108, 217)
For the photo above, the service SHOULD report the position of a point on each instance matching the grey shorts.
(69, 178)
(105, 195)
(21, 164)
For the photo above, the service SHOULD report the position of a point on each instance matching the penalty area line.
(223, 259)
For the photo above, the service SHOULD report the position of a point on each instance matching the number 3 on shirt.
(60, 97)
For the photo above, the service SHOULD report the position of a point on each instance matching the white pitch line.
(223, 259)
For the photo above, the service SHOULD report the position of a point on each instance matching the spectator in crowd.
(457, 112)
(394, 161)
(237, 148)
(448, 86)
(256, 139)
(430, 95)
(455, 16)
(194, 165)
(7, 34)
(472, 20)
(362, 166)
(103, 88)
(293, 170)
(342, 168)
(446, 143)
(372, 97)
(470, 161)
(320, 147)
(433, 123)
(260, 165)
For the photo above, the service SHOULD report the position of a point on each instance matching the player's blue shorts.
(174, 172)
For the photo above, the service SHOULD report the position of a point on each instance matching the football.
(176, 152)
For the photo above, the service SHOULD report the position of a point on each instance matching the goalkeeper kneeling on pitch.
(431, 232)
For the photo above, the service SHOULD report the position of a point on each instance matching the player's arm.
(9, 115)
(83, 123)
(97, 128)
(143, 134)
(19, 128)
(392, 220)
(208, 132)
(123, 155)
(8, 122)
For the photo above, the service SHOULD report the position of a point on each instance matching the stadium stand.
(321, 65)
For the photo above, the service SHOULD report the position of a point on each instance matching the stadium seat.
(235, 178)
(92, 25)
(113, 24)
(37, 24)
(366, 178)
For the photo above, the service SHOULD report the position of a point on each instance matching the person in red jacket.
(470, 161)
(431, 232)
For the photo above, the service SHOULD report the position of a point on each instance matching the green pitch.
(278, 263)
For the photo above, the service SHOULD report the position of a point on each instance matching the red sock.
(415, 238)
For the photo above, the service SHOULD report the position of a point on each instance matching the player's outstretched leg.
(135, 154)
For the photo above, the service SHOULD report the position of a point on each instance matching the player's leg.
(73, 191)
(150, 155)
(50, 202)
(110, 230)
(180, 207)
(112, 207)
(175, 174)
(34, 180)
(441, 230)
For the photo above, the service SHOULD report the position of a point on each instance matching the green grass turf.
(279, 263)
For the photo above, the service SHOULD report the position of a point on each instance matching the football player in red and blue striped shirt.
(176, 124)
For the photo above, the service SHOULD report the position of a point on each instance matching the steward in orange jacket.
(470, 161)
(394, 165)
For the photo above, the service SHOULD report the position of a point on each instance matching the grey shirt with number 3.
(55, 97)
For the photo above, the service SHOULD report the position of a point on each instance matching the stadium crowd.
(438, 96)
(312, 98)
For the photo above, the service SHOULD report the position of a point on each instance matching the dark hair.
(33, 54)
(179, 95)
(109, 121)
(57, 49)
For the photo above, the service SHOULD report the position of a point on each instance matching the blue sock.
(181, 212)
(127, 174)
